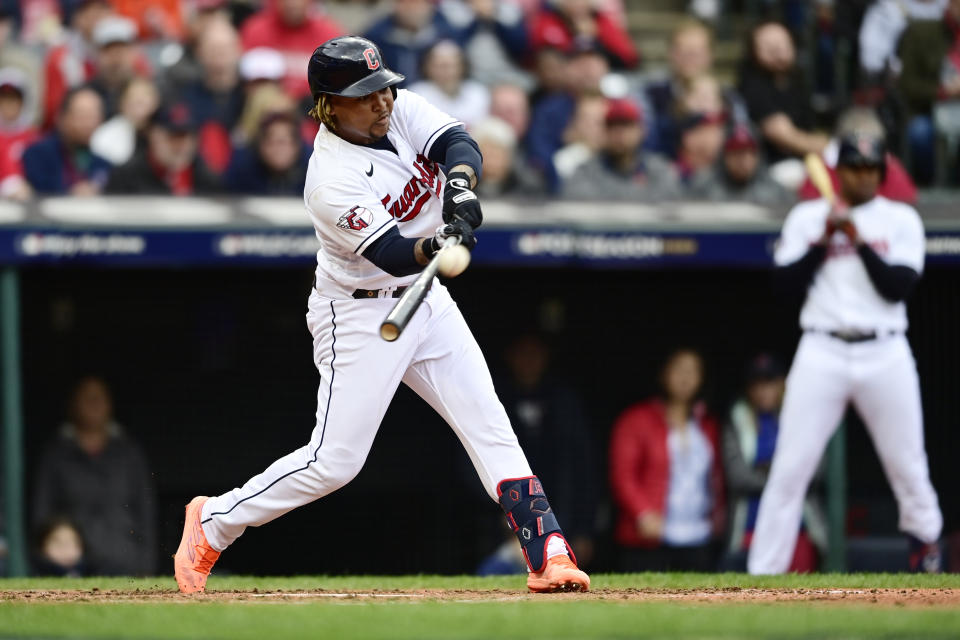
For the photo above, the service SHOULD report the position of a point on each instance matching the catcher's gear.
(459, 200)
(349, 66)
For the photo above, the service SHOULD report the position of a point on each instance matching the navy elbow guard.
(531, 518)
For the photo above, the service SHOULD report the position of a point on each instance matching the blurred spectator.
(553, 114)
(446, 84)
(896, 183)
(73, 62)
(118, 138)
(666, 477)
(883, 24)
(550, 72)
(748, 442)
(62, 162)
(155, 19)
(186, 69)
(583, 137)
(295, 28)
(622, 170)
(690, 56)
(510, 103)
(931, 74)
(170, 164)
(59, 551)
(16, 133)
(276, 162)
(775, 92)
(741, 174)
(493, 36)
(13, 55)
(549, 419)
(566, 24)
(701, 147)
(116, 58)
(216, 100)
(262, 101)
(262, 65)
(407, 33)
(98, 477)
(504, 172)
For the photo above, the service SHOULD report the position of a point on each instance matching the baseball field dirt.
(619, 606)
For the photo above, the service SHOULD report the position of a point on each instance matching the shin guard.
(531, 518)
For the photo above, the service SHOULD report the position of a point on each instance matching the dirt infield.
(912, 598)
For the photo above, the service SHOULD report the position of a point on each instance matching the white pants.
(436, 356)
(880, 378)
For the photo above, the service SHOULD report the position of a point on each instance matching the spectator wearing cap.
(702, 137)
(17, 132)
(62, 162)
(73, 62)
(275, 164)
(407, 32)
(216, 99)
(14, 55)
(118, 138)
(504, 172)
(170, 164)
(494, 39)
(776, 95)
(622, 170)
(896, 184)
(552, 115)
(748, 442)
(115, 38)
(741, 174)
(565, 24)
(446, 84)
(294, 28)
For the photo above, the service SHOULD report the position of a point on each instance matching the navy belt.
(365, 294)
(851, 337)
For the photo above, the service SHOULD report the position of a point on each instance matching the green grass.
(554, 617)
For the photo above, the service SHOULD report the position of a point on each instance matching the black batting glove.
(459, 200)
(459, 228)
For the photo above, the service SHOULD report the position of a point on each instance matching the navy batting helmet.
(861, 150)
(349, 66)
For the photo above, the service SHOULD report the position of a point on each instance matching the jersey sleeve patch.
(358, 219)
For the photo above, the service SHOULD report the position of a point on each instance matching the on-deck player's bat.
(819, 176)
(396, 321)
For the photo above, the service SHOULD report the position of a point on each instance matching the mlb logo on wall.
(357, 219)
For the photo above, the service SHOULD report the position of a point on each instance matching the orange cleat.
(560, 574)
(194, 558)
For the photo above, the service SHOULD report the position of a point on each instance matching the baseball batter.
(858, 264)
(382, 206)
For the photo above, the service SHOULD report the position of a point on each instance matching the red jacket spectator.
(640, 468)
(16, 130)
(293, 32)
(551, 28)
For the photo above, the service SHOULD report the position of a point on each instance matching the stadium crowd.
(209, 96)
(206, 97)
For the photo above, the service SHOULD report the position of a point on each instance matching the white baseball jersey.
(842, 297)
(355, 193)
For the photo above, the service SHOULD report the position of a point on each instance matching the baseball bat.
(819, 176)
(396, 321)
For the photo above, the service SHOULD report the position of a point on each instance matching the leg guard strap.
(530, 517)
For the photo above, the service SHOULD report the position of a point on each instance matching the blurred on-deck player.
(381, 207)
(858, 261)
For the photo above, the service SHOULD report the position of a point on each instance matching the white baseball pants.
(436, 356)
(880, 378)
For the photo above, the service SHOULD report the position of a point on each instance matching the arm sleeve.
(455, 146)
(893, 282)
(349, 217)
(393, 253)
(797, 276)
